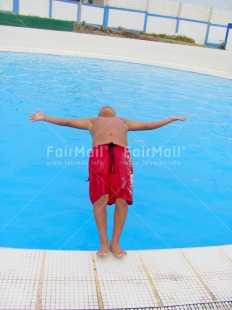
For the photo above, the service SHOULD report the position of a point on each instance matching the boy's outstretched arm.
(133, 125)
(84, 123)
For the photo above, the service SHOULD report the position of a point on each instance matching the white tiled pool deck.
(190, 278)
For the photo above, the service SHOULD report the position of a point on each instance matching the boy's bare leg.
(100, 216)
(120, 214)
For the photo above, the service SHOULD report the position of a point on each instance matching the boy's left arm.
(133, 125)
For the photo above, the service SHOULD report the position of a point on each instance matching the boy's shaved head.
(106, 111)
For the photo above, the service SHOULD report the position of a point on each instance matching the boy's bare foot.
(116, 249)
(104, 249)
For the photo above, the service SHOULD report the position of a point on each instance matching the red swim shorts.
(110, 172)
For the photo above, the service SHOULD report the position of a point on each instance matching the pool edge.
(156, 278)
(182, 57)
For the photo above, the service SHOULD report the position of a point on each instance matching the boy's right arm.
(84, 123)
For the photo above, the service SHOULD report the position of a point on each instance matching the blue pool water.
(182, 191)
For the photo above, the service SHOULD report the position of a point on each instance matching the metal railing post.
(79, 11)
(178, 17)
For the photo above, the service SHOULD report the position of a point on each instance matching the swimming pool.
(182, 172)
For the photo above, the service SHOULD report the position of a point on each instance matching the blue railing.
(146, 15)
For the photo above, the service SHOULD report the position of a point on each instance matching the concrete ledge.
(183, 57)
(177, 279)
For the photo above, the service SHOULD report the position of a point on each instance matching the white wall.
(64, 10)
(193, 30)
(99, 2)
(221, 17)
(92, 15)
(191, 58)
(216, 34)
(128, 4)
(197, 12)
(163, 7)
(161, 25)
(34, 7)
(229, 42)
(6, 5)
(126, 19)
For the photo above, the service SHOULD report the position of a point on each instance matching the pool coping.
(154, 279)
(182, 57)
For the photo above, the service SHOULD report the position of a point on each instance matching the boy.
(110, 167)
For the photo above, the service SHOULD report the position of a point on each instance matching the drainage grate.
(222, 305)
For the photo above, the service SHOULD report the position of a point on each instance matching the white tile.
(63, 265)
(127, 294)
(125, 269)
(19, 277)
(214, 268)
(69, 280)
(16, 294)
(208, 259)
(227, 249)
(20, 264)
(173, 278)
